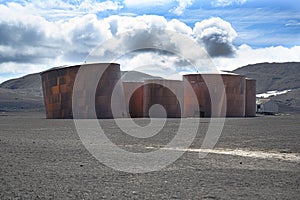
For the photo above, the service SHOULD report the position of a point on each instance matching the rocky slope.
(23, 93)
(277, 76)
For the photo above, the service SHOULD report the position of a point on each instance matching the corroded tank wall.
(194, 84)
(107, 84)
(235, 86)
(138, 97)
(206, 87)
(134, 98)
(167, 93)
(58, 91)
(250, 108)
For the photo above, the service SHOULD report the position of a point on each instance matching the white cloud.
(59, 10)
(179, 27)
(182, 5)
(28, 40)
(178, 10)
(214, 34)
(92, 6)
(151, 63)
(144, 32)
(146, 3)
(19, 68)
(217, 35)
(223, 3)
(246, 55)
(293, 23)
(31, 42)
(122, 24)
(86, 31)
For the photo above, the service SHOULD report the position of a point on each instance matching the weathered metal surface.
(58, 91)
(250, 109)
(177, 97)
(134, 98)
(167, 93)
(194, 86)
(206, 88)
(235, 86)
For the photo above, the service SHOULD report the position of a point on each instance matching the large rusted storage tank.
(250, 109)
(167, 93)
(57, 91)
(107, 84)
(208, 88)
(134, 98)
(235, 86)
(195, 87)
(58, 86)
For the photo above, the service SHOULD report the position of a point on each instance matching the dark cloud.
(217, 36)
(24, 42)
(24, 58)
(34, 41)
(215, 46)
(20, 34)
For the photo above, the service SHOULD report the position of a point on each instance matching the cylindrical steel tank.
(235, 86)
(195, 86)
(206, 87)
(58, 91)
(103, 99)
(134, 98)
(167, 93)
(250, 97)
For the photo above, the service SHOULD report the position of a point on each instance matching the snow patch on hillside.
(272, 93)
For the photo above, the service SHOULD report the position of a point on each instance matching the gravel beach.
(255, 158)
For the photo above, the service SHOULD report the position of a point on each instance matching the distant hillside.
(23, 93)
(135, 76)
(29, 81)
(273, 76)
(277, 76)
(289, 102)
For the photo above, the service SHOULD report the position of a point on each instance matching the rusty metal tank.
(57, 91)
(250, 107)
(134, 98)
(167, 93)
(58, 86)
(207, 87)
(195, 87)
(235, 86)
(109, 83)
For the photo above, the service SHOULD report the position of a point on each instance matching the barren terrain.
(255, 158)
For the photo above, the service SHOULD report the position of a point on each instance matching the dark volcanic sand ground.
(44, 159)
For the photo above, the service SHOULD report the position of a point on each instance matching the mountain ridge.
(276, 76)
(273, 76)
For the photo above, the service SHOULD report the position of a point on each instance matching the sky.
(40, 34)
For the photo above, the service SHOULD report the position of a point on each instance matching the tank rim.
(211, 74)
(74, 66)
